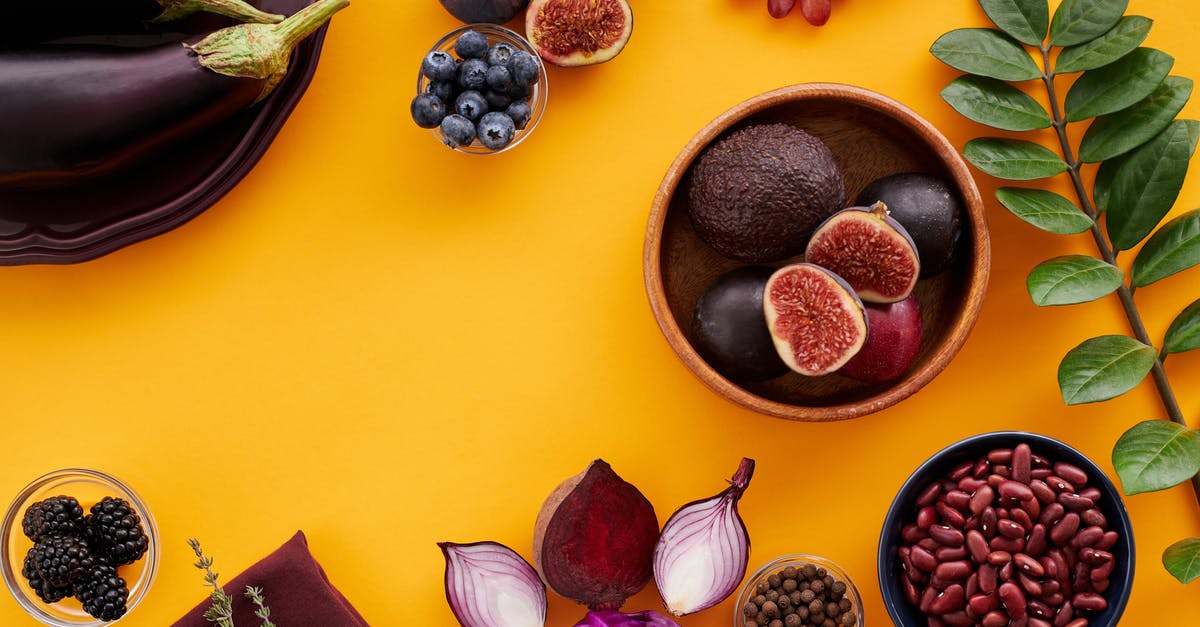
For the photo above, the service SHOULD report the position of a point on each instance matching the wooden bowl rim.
(943, 353)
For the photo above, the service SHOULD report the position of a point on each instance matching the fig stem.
(1124, 293)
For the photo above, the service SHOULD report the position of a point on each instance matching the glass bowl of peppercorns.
(799, 591)
(81, 548)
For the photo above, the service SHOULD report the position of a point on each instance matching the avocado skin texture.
(757, 194)
(928, 208)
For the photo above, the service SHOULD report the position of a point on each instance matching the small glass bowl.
(537, 101)
(798, 560)
(88, 487)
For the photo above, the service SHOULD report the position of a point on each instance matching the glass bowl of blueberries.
(481, 89)
(81, 548)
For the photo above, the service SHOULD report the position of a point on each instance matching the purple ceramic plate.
(69, 225)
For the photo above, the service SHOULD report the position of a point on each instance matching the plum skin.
(730, 329)
(893, 342)
(929, 208)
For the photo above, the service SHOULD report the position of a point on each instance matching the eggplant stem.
(236, 9)
(262, 51)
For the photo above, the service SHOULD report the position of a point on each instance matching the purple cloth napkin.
(295, 588)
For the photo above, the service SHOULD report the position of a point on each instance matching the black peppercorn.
(761, 620)
(774, 580)
(816, 607)
(784, 602)
(772, 594)
(844, 605)
(750, 609)
(829, 622)
(818, 586)
(775, 623)
(807, 596)
(848, 619)
(789, 585)
(838, 588)
(789, 572)
(770, 610)
(796, 597)
(793, 620)
(831, 609)
(810, 571)
(762, 587)
(759, 600)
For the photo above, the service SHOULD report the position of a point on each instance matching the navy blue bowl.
(904, 511)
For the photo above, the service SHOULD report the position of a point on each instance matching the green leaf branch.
(1141, 152)
(220, 610)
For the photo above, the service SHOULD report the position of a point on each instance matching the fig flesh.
(870, 250)
(489, 11)
(928, 208)
(594, 538)
(730, 331)
(571, 33)
(815, 319)
(892, 344)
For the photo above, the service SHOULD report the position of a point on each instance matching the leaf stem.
(1124, 294)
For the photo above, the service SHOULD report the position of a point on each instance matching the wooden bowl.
(871, 136)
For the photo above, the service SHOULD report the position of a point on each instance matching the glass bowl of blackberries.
(481, 89)
(80, 548)
(798, 591)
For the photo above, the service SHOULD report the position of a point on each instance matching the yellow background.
(388, 344)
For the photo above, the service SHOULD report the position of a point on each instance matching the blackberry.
(61, 560)
(45, 591)
(55, 516)
(115, 532)
(103, 593)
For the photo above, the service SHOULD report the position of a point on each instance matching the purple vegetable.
(489, 585)
(615, 618)
(26, 23)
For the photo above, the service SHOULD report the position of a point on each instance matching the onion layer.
(614, 618)
(703, 551)
(489, 585)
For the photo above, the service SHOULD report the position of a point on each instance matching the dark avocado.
(730, 329)
(928, 208)
(757, 194)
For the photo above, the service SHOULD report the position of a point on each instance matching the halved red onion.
(616, 618)
(489, 585)
(704, 549)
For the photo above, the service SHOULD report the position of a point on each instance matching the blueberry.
(457, 131)
(523, 67)
(439, 66)
(500, 53)
(471, 45)
(496, 130)
(520, 91)
(520, 113)
(497, 101)
(498, 78)
(428, 110)
(446, 90)
(473, 74)
(471, 105)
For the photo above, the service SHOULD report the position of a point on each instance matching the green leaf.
(1173, 248)
(1184, 333)
(1102, 368)
(995, 103)
(1045, 210)
(1146, 185)
(1072, 279)
(1155, 455)
(1103, 183)
(1117, 85)
(1182, 559)
(985, 52)
(1117, 133)
(1129, 33)
(1079, 21)
(1025, 20)
(1014, 159)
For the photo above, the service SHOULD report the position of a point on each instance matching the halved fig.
(815, 319)
(578, 32)
(870, 250)
(892, 345)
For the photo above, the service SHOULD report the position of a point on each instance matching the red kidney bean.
(1032, 507)
(1050, 586)
(949, 536)
(1004, 543)
(1070, 472)
(999, 558)
(1021, 517)
(995, 619)
(1091, 492)
(1108, 541)
(981, 499)
(962, 470)
(1062, 532)
(988, 578)
(982, 468)
(1094, 518)
(1093, 557)
(978, 546)
(1089, 601)
(1066, 614)
(1031, 585)
(1059, 485)
(972, 585)
(1040, 473)
(916, 576)
(926, 517)
(1038, 622)
(1010, 528)
(1000, 455)
(1013, 598)
(1039, 609)
(1074, 502)
(953, 571)
(1049, 566)
(1006, 572)
(923, 559)
(1052, 599)
(1039, 461)
(927, 598)
(911, 533)
(1078, 622)
(1036, 544)
(950, 516)
(958, 619)
(951, 599)
(951, 553)
(929, 544)
(910, 591)
(987, 522)
(1028, 565)
(1010, 489)
(995, 480)
(1100, 586)
(981, 604)
(1051, 514)
(1022, 462)
(929, 494)
(1042, 491)
(935, 621)
(1081, 578)
(958, 499)
(1088, 536)
(1103, 571)
(1002, 470)
(971, 484)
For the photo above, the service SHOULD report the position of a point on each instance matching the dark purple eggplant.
(24, 22)
(72, 113)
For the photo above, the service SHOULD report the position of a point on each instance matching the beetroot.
(594, 538)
